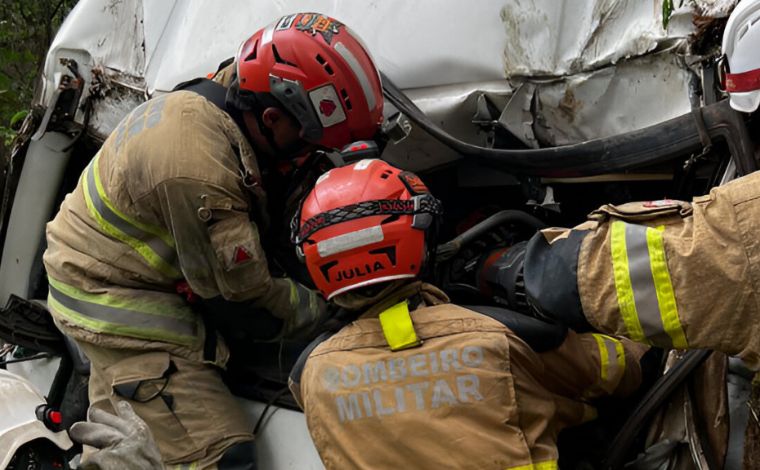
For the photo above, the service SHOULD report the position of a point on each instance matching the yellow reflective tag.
(398, 328)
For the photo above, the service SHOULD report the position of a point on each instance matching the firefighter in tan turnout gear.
(668, 273)
(174, 202)
(415, 380)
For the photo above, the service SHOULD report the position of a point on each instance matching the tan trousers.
(193, 416)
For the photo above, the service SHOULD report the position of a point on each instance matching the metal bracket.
(65, 100)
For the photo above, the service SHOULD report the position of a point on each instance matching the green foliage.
(667, 10)
(26, 29)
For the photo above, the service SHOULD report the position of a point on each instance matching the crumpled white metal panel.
(609, 101)
(98, 32)
(555, 38)
(583, 46)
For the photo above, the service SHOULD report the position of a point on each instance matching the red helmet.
(319, 71)
(363, 224)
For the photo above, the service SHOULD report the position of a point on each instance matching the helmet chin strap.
(256, 104)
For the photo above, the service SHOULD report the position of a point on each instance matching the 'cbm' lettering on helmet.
(319, 71)
(363, 224)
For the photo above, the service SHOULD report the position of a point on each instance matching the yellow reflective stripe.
(109, 314)
(159, 232)
(623, 286)
(150, 256)
(398, 327)
(184, 466)
(546, 465)
(302, 299)
(604, 357)
(620, 350)
(137, 304)
(612, 368)
(119, 330)
(665, 295)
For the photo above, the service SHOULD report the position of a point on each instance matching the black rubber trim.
(668, 140)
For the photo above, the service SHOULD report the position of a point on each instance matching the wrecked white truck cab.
(550, 107)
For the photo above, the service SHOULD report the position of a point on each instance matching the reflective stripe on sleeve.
(154, 244)
(104, 313)
(546, 465)
(643, 285)
(300, 297)
(612, 361)
(185, 466)
(666, 298)
(623, 282)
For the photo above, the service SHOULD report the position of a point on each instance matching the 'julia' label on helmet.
(328, 106)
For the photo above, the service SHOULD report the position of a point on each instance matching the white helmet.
(741, 51)
(18, 421)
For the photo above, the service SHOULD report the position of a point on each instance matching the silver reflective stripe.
(612, 360)
(359, 72)
(166, 252)
(349, 241)
(125, 317)
(266, 38)
(642, 282)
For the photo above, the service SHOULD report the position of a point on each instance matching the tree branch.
(55, 10)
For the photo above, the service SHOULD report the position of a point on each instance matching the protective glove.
(123, 442)
(310, 313)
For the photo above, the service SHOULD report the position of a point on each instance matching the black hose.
(677, 137)
(452, 247)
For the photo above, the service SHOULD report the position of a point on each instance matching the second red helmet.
(320, 72)
(364, 224)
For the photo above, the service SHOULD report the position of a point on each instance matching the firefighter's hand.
(122, 442)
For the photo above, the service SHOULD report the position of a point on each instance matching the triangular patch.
(241, 255)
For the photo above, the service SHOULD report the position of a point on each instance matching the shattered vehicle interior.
(518, 115)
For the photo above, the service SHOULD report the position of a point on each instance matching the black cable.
(266, 408)
(24, 359)
(447, 250)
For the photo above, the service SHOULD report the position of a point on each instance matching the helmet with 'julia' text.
(364, 224)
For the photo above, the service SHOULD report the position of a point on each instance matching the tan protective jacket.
(674, 274)
(164, 200)
(472, 395)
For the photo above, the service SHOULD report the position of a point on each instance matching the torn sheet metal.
(632, 95)
(451, 107)
(99, 33)
(113, 95)
(714, 8)
(556, 38)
